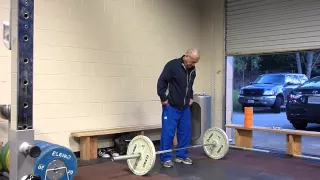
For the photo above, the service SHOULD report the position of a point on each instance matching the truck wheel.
(276, 108)
(299, 125)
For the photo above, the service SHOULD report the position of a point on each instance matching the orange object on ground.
(248, 113)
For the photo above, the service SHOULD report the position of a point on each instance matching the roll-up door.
(267, 26)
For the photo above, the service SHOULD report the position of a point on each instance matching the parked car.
(270, 90)
(303, 105)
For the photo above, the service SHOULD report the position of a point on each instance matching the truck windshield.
(270, 79)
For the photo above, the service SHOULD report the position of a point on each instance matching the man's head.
(191, 58)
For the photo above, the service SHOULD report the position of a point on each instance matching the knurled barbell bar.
(141, 153)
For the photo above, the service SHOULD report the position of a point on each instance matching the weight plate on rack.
(0, 158)
(220, 138)
(5, 153)
(143, 145)
(36, 142)
(42, 145)
(55, 153)
(3, 156)
(8, 160)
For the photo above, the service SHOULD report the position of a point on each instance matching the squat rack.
(18, 37)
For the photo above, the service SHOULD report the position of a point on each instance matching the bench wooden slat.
(89, 139)
(281, 131)
(113, 131)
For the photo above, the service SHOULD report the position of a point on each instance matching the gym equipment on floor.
(141, 153)
(54, 162)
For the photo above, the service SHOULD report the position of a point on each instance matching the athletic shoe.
(112, 152)
(103, 153)
(184, 161)
(167, 164)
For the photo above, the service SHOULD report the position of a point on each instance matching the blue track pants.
(172, 120)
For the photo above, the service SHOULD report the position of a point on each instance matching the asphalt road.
(265, 118)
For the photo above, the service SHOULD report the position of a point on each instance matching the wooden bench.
(243, 136)
(89, 139)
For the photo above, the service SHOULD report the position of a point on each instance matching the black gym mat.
(237, 165)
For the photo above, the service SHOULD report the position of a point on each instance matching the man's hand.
(190, 102)
(165, 103)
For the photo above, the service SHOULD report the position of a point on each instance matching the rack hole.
(25, 126)
(25, 60)
(25, 105)
(26, 26)
(25, 82)
(26, 15)
(25, 37)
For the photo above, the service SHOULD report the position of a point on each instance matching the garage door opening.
(284, 92)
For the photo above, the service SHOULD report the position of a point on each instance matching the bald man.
(176, 95)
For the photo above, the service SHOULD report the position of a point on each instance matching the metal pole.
(125, 157)
(250, 149)
(21, 136)
(134, 156)
(306, 157)
(196, 146)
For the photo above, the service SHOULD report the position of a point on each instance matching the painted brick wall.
(97, 61)
(5, 70)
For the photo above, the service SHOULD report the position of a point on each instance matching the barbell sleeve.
(251, 149)
(125, 157)
(196, 146)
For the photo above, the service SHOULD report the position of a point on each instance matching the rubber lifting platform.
(237, 165)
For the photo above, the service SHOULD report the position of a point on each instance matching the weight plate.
(8, 160)
(40, 141)
(2, 152)
(143, 145)
(0, 157)
(3, 156)
(42, 145)
(218, 136)
(50, 157)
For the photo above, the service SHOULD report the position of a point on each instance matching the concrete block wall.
(5, 71)
(97, 61)
(213, 50)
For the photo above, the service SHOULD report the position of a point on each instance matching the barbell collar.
(27, 149)
(5, 111)
(125, 157)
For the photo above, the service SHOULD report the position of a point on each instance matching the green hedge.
(236, 105)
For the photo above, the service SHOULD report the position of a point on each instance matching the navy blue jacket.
(178, 81)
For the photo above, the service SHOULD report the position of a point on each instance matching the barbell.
(141, 153)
